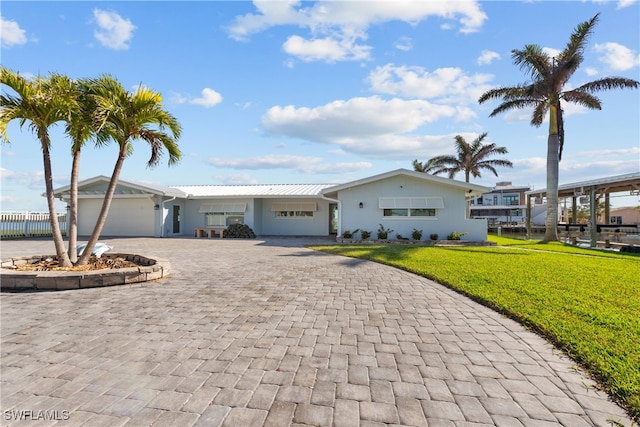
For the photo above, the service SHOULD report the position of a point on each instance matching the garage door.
(127, 217)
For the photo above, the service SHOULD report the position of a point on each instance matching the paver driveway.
(266, 332)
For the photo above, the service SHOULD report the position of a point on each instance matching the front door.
(176, 219)
(333, 218)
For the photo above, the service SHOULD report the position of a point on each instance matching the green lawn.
(585, 301)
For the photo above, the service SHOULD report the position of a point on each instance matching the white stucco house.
(400, 200)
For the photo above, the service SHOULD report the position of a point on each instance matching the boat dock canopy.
(612, 184)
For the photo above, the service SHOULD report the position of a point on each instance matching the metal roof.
(133, 188)
(611, 184)
(261, 190)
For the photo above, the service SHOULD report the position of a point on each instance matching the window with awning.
(294, 209)
(223, 214)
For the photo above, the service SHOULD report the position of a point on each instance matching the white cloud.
(335, 27)
(611, 153)
(591, 71)
(326, 49)
(625, 3)
(354, 118)
(487, 56)
(33, 180)
(272, 161)
(303, 164)
(236, 179)
(404, 44)
(11, 34)
(448, 85)
(552, 52)
(617, 56)
(114, 31)
(208, 99)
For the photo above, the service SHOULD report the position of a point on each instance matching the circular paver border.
(148, 269)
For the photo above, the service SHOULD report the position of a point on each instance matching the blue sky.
(323, 92)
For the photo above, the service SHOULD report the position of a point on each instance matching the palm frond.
(534, 61)
(607, 84)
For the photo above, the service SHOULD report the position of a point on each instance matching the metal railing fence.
(15, 225)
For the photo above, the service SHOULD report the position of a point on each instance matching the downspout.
(162, 214)
(339, 203)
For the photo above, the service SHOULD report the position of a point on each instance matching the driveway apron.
(267, 332)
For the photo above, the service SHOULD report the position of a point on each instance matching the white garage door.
(127, 217)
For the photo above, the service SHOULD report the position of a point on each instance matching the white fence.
(14, 225)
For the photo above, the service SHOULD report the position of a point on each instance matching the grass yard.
(585, 301)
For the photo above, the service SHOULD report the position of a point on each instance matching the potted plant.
(383, 233)
(416, 234)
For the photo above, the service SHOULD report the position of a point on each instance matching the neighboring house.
(400, 200)
(625, 215)
(507, 204)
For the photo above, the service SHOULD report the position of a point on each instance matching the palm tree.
(42, 102)
(470, 158)
(127, 117)
(427, 167)
(545, 93)
(80, 128)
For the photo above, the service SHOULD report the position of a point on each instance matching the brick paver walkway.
(265, 332)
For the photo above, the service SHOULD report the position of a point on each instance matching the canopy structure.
(592, 188)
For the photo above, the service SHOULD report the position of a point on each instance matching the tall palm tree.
(545, 93)
(41, 102)
(128, 117)
(470, 158)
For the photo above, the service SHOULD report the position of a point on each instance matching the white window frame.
(410, 203)
(294, 214)
(294, 210)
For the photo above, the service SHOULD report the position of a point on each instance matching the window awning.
(222, 207)
(411, 203)
(289, 206)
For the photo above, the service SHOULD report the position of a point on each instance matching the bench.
(208, 232)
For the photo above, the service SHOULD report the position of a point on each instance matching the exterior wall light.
(361, 205)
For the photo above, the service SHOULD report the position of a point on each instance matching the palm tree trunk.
(106, 204)
(553, 160)
(58, 241)
(73, 207)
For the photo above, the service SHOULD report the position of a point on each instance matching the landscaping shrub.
(239, 231)
(383, 233)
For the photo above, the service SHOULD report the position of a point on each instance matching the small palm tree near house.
(41, 102)
(546, 93)
(469, 158)
(126, 117)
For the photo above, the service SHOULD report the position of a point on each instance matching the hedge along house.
(400, 200)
